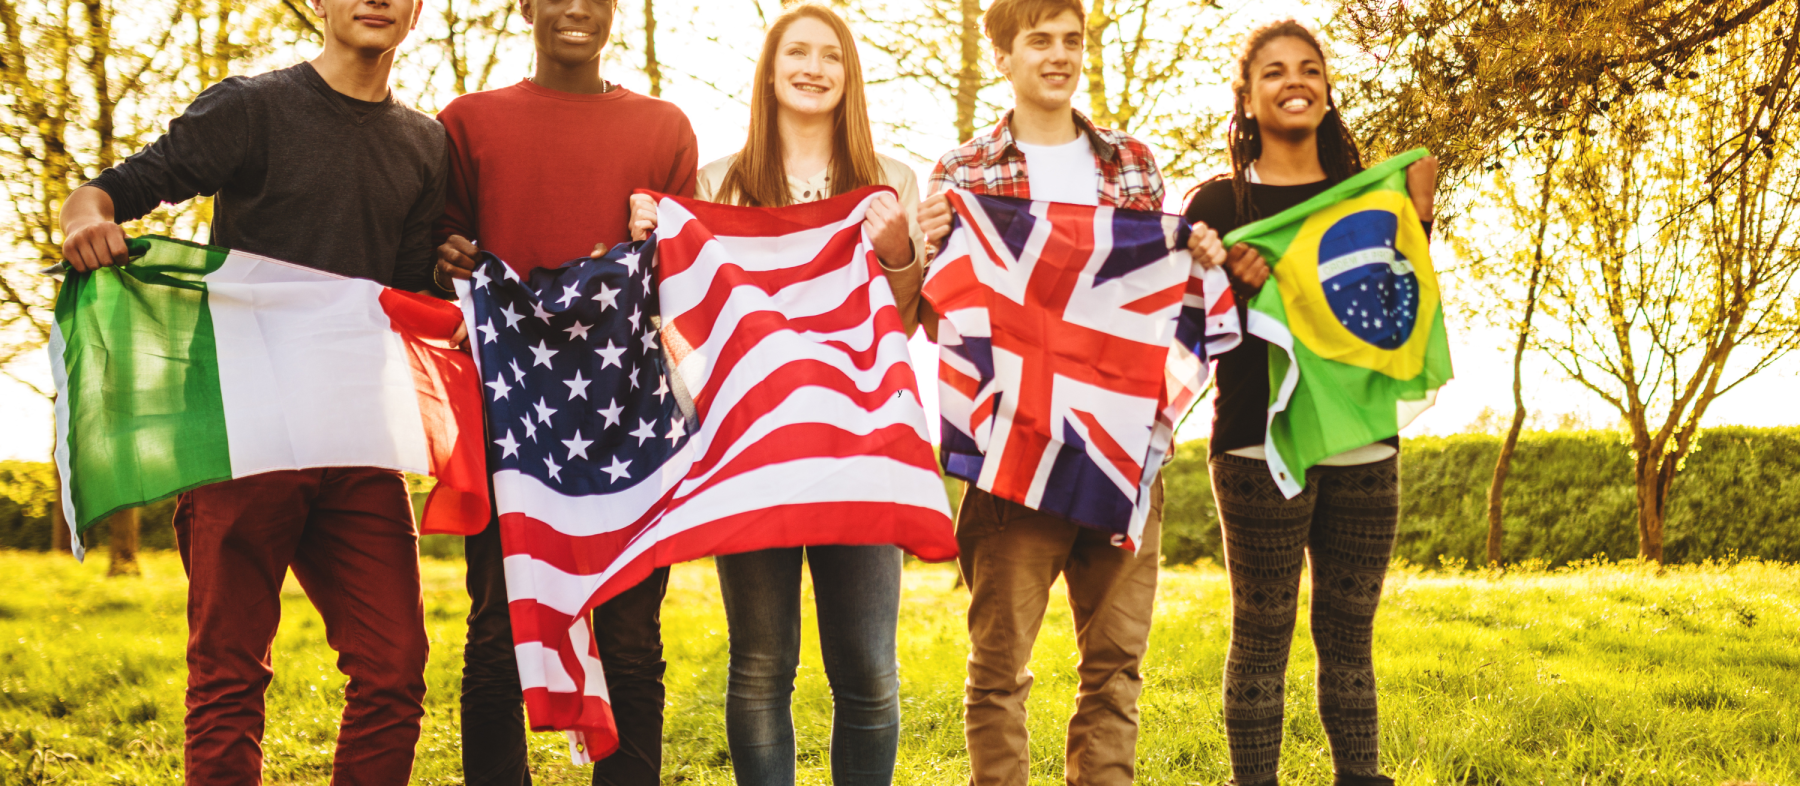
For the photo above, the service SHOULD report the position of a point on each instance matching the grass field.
(1593, 675)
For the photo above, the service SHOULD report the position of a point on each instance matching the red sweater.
(538, 177)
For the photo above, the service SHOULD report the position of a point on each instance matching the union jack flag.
(739, 382)
(1072, 340)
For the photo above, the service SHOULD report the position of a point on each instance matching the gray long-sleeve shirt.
(303, 174)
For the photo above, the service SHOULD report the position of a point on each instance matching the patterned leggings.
(1345, 521)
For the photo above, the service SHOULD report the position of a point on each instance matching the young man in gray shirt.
(318, 165)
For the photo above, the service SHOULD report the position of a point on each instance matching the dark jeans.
(628, 633)
(857, 589)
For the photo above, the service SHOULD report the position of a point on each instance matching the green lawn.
(1597, 674)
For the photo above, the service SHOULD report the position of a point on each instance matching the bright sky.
(719, 51)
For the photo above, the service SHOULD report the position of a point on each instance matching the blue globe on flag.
(1369, 284)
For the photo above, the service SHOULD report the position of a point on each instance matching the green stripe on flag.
(146, 419)
(1272, 235)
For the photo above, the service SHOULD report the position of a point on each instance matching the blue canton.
(577, 388)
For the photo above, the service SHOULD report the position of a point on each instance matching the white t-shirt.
(1062, 173)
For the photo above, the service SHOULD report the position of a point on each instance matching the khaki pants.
(1011, 555)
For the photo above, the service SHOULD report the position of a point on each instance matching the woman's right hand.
(1247, 268)
(643, 216)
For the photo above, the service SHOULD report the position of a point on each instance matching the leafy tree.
(1143, 57)
(1503, 285)
(83, 82)
(467, 42)
(1680, 281)
(936, 45)
(1472, 79)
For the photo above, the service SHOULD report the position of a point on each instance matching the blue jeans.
(858, 594)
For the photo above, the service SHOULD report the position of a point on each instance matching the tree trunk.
(122, 543)
(99, 25)
(1503, 465)
(1095, 67)
(1651, 494)
(652, 68)
(59, 526)
(968, 76)
(1497, 490)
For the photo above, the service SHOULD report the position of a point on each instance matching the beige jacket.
(904, 281)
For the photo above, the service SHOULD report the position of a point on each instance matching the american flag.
(739, 382)
(1072, 340)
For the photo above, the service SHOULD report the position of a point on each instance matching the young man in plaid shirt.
(1043, 149)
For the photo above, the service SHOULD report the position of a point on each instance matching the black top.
(1240, 411)
(303, 174)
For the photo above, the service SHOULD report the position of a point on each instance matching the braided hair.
(1338, 154)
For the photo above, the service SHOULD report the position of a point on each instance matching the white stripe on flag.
(768, 487)
(539, 667)
(59, 373)
(311, 372)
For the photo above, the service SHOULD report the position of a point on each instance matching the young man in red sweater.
(541, 172)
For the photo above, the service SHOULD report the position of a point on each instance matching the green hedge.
(1570, 497)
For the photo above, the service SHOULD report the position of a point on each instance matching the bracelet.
(910, 264)
(435, 270)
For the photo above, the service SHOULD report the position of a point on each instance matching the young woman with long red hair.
(809, 139)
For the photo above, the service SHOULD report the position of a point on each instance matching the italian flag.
(195, 364)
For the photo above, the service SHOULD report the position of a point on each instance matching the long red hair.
(759, 176)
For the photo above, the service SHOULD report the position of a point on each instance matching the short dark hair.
(1005, 18)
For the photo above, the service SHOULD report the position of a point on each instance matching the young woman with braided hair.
(1289, 143)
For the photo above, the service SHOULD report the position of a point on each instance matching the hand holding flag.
(1355, 324)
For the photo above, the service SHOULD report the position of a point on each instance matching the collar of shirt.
(1003, 146)
(811, 189)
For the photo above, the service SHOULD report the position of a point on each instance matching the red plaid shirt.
(991, 164)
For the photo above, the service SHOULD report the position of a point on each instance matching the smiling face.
(371, 27)
(1286, 94)
(1045, 61)
(809, 68)
(569, 32)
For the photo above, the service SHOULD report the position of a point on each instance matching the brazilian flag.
(1355, 323)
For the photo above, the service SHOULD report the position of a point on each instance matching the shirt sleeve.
(417, 255)
(460, 216)
(1213, 205)
(682, 174)
(940, 176)
(906, 281)
(197, 156)
(704, 188)
(1153, 178)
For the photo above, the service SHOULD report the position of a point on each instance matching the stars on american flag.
(579, 392)
(577, 386)
(609, 356)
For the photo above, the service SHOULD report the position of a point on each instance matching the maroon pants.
(348, 535)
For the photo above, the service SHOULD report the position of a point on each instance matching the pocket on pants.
(980, 514)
